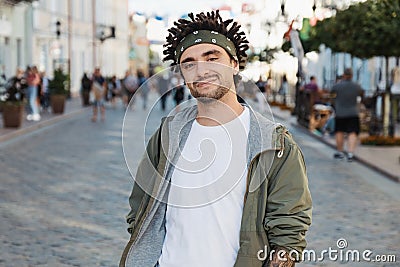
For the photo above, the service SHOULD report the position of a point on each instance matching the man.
(129, 84)
(33, 80)
(219, 185)
(45, 94)
(163, 87)
(347, 120)
(313, 89)
(261, 95)
(99, 86)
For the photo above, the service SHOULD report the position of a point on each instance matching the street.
(65, 188)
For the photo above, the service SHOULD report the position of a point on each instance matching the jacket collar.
(262, 135)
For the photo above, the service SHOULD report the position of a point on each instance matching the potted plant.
(12, 101)
(58, 89)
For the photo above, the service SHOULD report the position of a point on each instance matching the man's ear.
(235, 67)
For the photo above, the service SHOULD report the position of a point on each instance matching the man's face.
(208, 71)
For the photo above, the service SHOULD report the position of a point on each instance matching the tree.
(364, 30)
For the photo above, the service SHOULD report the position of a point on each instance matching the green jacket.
(277, 204)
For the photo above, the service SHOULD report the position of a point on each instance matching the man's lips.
(204, 83)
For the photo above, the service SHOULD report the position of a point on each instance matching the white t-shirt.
(208, 234)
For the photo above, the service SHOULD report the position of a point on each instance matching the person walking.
(44, 93)
(144, 87)
(347, 121)
(114, 90)
(86, 86)
(261, 95)
(130, 84)
(98, 90)
(33, 81)
(179, 93)
(218, 182)
(163, 87)
(16, 86)
(284, 89)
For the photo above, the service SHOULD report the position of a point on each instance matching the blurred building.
(12, 36)
(139, 52)
(75, 35)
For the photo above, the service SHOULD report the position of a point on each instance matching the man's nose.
(202, 68)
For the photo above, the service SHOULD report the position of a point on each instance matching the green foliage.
(12, 103)
(380, 141)
(364, 30)
(59, 85)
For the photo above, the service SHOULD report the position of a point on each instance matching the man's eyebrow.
(211, 52)
(188, 59)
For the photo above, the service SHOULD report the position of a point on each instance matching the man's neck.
(218, 112)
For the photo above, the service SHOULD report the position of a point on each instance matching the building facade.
(75, 35)
(12, 36)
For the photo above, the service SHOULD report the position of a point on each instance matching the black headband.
(205, 37)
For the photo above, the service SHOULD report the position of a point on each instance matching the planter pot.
(13, 115)
(57, 103)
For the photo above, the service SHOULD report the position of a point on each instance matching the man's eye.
(212, 59)
(187, 66)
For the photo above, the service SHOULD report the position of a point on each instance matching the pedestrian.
(244, 194)
(313, 89)
(284, 89)
(16, 86)
(44, 92)
(99, 92)
(346, 94)
(179, 94)
(144, 87)
(163, 86)
(86, 86)
(130, 84)
(3, 77)
(261, 95)
(114, 89)
(33, 81)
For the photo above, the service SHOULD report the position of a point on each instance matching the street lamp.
(110, 34)
(283, 2)
(58, 29)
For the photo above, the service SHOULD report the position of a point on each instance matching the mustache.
(205, 79)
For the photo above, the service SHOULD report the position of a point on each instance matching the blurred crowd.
(30, 85)
(98, 90)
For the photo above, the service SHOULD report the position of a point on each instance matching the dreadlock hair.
(211, 21)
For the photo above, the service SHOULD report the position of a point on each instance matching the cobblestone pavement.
(350, 202)
(64, 192)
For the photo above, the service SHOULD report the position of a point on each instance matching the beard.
(209, 97)
(210, 94)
